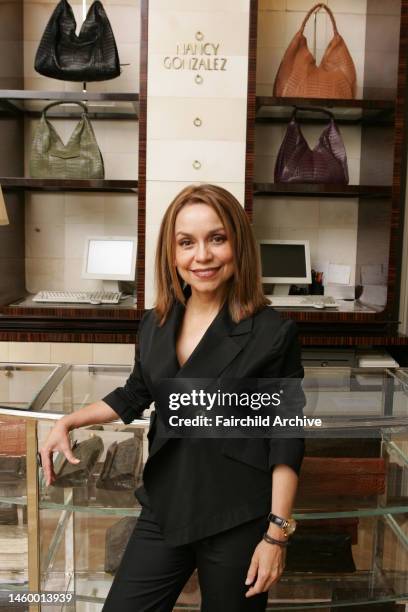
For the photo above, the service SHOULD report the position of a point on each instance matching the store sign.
(196, 56)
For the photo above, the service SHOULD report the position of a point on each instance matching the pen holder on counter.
(317, 288)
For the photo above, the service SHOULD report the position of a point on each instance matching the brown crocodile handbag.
(299, 76)
(326, 163)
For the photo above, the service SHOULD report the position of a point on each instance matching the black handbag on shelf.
(77, 474)
(8, 514)
(116, 539)
(121, 473)
(320, 552)
(90, 56)
(122, 465)
(12, 476)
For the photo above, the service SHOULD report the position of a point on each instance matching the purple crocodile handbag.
(326, 163)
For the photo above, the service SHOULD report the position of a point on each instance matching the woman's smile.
(206, 273)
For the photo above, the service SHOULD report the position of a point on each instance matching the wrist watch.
(288, 526)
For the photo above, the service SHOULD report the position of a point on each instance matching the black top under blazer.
(198, 487)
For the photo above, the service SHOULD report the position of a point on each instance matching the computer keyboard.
(78, 297)
(303, 301)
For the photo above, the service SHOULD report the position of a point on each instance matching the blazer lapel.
(221, 343)
(162, 358)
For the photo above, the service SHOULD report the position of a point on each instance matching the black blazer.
(220, 483)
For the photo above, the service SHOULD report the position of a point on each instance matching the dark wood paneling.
(141, 228)
(12, 236)
(11, 40)
(26, 94)
(70, 313)
(352, 340)
(321, 190)
(10, 180)
(92, 337)
(251, 108)
(12, 250)
(399, 170)
(129, 337)
(372, 104)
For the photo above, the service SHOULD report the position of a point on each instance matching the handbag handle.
(316, 109)
(81, 104)
(315, 8)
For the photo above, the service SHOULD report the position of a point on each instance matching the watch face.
(291, 527)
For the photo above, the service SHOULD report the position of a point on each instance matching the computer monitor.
(285, 262)
(110, 258)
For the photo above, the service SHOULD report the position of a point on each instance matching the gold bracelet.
(271, 540)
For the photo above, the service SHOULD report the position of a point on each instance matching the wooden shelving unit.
(20, 319)
(108, 105)
(322, 190)
(32, 184)
(270, 109)
(379, 114)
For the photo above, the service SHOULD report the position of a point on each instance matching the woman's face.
(204, 256)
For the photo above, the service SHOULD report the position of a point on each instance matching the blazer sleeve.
(290, 451)
(134, 397)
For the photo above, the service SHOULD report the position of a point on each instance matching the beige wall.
(67, 352)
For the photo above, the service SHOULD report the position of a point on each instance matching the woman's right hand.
(57, 440)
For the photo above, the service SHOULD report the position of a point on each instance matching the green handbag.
(80, 158)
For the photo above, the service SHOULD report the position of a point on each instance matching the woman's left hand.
(267, 565)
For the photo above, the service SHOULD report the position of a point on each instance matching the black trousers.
(152, 574)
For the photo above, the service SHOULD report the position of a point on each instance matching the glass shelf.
(97, 510)
(19, 501)
(377, 562)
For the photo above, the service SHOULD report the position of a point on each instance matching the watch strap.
(278, 520)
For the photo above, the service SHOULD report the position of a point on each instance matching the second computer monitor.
(110, 258)
(285, 261)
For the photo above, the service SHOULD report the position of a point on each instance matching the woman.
(205, 502)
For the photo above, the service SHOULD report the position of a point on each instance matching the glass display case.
(24, 386)
(351, 545)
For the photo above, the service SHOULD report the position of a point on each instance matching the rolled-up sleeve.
(290, 451)
(134, 397)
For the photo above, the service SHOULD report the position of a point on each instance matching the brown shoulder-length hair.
(245, 295)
